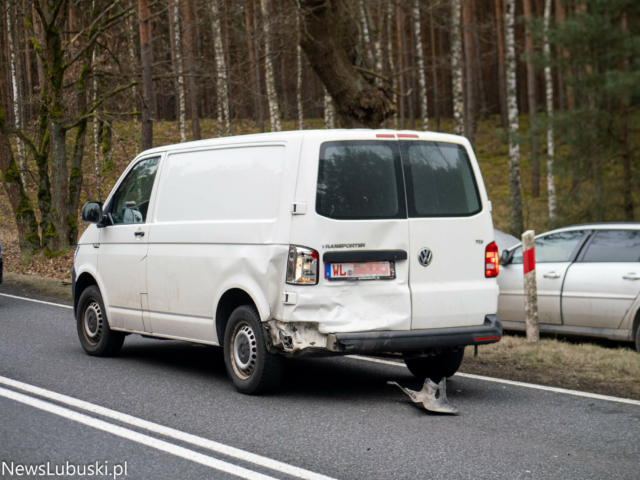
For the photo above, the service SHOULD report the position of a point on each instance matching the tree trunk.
(182, 107)
(255, 64)
(456, 69)
(422, 79)
(327, 33)
(401, 65)
(221, 70)
(146, 53)
(627, 185)
(28, 238)
(132, 59)
(436, 97)
(502, 90)
(256, 47)
(515, 195)
(16, 94)
(533, 104)
(272, 96)
(392, 70)
(96, 138)
(470, 103)
(551, 187)
(366, 38)
(189, 46)
(329, 111)
(299, 77)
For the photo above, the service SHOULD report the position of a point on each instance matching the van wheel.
(443, 364)
(250, 366)
(96, 337)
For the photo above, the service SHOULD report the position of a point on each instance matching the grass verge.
(34, 286)
(588, 367)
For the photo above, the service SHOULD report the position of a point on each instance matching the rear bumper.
(415, 340)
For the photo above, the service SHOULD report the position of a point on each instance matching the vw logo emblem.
(424, 257)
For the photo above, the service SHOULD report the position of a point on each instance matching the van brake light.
(492, 261)
(302, 266)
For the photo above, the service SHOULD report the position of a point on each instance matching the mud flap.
(433, 396)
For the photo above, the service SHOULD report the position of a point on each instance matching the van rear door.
(449, 229)
(350, 207)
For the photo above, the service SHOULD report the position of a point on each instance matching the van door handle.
(551, 275)
(631, 276)
(139, 234)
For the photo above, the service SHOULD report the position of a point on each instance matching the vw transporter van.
(297, 243)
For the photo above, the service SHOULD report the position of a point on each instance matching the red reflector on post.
(484, 339)
(491, 261)
(407, 135)
(529, 260)
(385, 135)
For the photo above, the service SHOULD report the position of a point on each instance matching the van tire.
(443, 364)
(250, 366)
(96, 337)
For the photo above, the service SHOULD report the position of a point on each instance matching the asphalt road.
(336, 417)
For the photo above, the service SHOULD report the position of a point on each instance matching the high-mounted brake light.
(385, 135)
(302, 266)
(407, 135)
(491, 261)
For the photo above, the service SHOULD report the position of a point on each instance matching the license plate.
(360, 271)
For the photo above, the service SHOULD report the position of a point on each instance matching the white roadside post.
(530, 286)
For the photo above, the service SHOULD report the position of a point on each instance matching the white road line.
(516, 384)
(36, 301)
(135, 436)
(168, 432)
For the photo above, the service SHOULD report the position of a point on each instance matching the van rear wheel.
(250, 366)
(443, 364)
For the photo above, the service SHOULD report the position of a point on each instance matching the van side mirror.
(92, 212)
(505, 258)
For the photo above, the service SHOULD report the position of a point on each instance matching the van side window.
(131, 201)
(614, 246)
(360, 180)
(440, 180)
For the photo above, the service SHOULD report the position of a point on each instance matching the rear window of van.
(360, 180)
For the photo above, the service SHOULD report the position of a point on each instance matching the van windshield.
(439, 179)
(360, 180)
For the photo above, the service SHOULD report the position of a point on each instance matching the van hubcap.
(244, 351)
(92, 321)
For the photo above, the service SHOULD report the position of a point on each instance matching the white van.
(295, 243)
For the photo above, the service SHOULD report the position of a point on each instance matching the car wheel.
(250, 366)
(96, 337)
(443, 364)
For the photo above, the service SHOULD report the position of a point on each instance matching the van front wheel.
(250, 366)
(443, 364)
(96, 337)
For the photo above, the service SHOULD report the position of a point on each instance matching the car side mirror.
(505, 258)
(92, 212)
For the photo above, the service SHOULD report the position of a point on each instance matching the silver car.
(588, 282)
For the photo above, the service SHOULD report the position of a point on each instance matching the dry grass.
(588, 367)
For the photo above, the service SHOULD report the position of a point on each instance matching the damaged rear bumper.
(416, 340)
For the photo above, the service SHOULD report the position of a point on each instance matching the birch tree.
(515, 195)
(221, 70)
(299, 77)
(456, 69)
(329, 112)
(366, 37)
(272, 96)
(533, 104)
(182, 108)
(16, 94)
(548, 79)
(422, 79)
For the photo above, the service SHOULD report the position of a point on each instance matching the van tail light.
(491, 261)
(302, 266)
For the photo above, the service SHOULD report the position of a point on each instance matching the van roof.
(328, 134)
